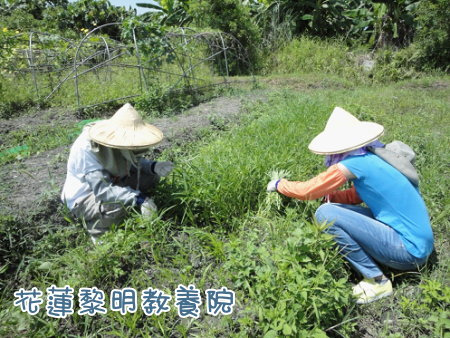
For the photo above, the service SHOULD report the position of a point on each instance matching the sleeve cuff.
(152, 167)
(140, 199)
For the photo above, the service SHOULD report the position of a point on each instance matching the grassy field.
(217, 227)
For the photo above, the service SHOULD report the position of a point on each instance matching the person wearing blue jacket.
(392, 228)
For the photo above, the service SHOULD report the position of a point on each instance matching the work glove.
(163, 168)
(272, 185)
(148, 207)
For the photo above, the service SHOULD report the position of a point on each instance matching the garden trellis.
(98, 69)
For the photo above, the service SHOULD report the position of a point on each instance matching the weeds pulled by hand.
(273, 201)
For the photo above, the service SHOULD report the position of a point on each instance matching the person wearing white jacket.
(106, 171)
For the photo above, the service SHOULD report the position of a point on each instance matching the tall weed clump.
(433, 36)
(228, 177)
(395, 65)
(308, 55)
(232, 17)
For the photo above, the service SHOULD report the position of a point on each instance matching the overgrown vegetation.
(433, 34)
(217, 226)
(22, 143)
(287, 277)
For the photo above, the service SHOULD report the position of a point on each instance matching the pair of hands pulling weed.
(275, 177)
(163, 168)
(272, 185)
(273, 201)
(148, 207)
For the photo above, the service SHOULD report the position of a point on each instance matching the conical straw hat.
(125, 130)
(343, 133)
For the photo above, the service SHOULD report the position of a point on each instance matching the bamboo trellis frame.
(94, 52)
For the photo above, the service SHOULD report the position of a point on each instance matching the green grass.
(21, 91)
(23, 143)
(309, 55)
(290, 278)
(306, 55)
(287, 277)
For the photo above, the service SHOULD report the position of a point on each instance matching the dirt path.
(41, 176)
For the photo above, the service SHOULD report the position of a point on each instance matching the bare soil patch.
(432, 86)
(301, 84)
(38, 117)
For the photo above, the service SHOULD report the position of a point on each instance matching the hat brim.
(110, 135)
(328, 143)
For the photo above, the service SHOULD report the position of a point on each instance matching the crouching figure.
(393, 228)
(106, 171)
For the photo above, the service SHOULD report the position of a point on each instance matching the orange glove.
(323, 184)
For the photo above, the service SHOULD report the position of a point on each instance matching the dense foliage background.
(420, 26)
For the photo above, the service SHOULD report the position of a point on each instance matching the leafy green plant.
(36, 8)
(149, 37)
(171, 12)
(233, 17)
(429, 307)
(10, 41)
(160, 99)
(433, 34)
(89, 14)
(291, 281)
(395, 65)
(320, 18)
(309, 55)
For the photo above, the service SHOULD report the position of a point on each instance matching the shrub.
(308, 55)
(433, 34)
(230, 16)
(158, 99)
(395, 65)
(20, 19)
(291, 280)
(88, 14)
(34, 7)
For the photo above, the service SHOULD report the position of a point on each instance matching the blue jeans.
(364, 241)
